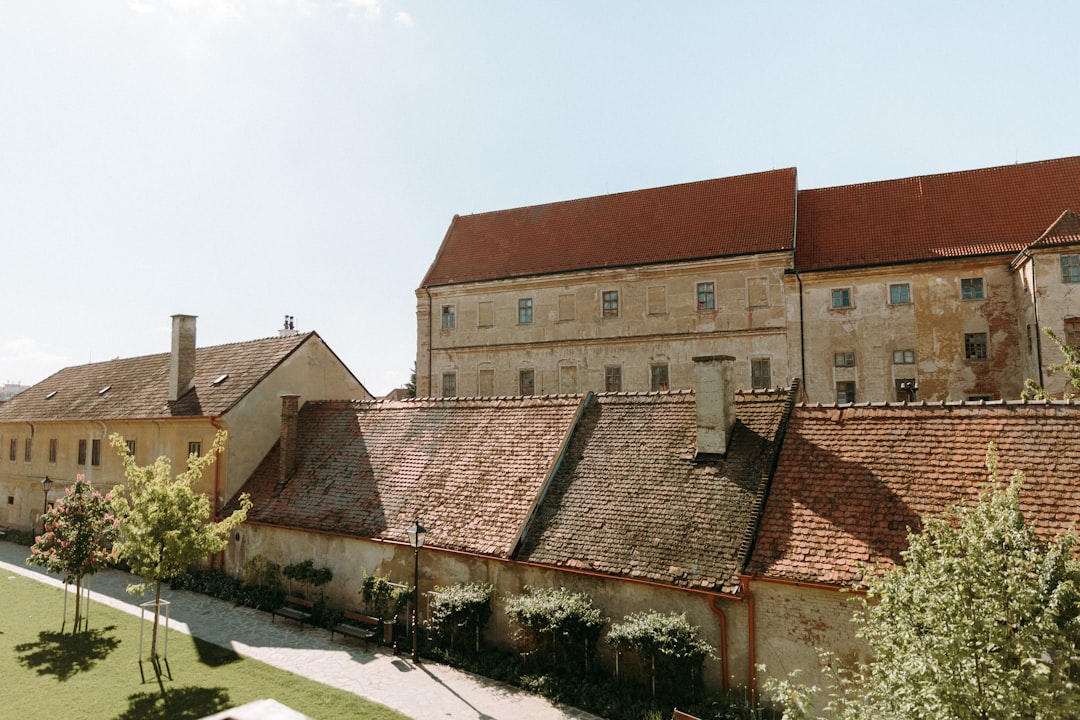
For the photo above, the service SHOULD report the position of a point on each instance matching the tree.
(410, 387)
(75, 541)
(982, 621)
(164, 526)
(1071, 367)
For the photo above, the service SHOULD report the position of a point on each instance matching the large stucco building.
(170, 404)
(932, 287)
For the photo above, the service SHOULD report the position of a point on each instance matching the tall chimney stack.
(714, 394)
(182, 360)
(290, 410)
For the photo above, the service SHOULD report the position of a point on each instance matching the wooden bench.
(356, 625)
(295, 608)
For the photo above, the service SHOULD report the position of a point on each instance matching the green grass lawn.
(95, 673)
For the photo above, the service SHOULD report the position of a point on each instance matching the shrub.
(458, 614)
(557, 627)
(306, 573)
(383, 598)
(261, 570)
(668, 645)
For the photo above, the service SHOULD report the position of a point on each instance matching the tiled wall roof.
(992, 210)
(712, 218)
(470, 470)
(1064, 231)
(850, 481)
(630, 500)
(139, 387)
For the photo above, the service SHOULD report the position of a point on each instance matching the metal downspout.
(751, 655)
(723, 640)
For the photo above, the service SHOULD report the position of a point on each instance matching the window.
(1070, 268)
(194, 448)
(95, 453)
(12, 447)
(900, 294)
(82, 452)
(449, 384)
(566, 307)
(28, 449)
(706, 296)
(131, 448)
(485, 314)
(52, 450)
(844, 359)
(613, 378)
(447, 317)
(1072, 331)
(906, 390)
(526, 382)
(656, 299)
(658, 377)
(760, 374)
(971, 288)
(611, 303)
(487, 382)
(845, 392)
(903, 357)
(975, 346)
(524, 311)
(841, 298)
(568, 379)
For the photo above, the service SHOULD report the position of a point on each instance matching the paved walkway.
(424, 691)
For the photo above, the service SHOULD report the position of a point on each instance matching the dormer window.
(51, 395)
(220, 379)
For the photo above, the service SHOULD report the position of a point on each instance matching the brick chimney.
(290, 410)
(182, 360)
(714, 393)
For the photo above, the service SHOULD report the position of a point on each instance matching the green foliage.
(556, 627)
(458, 616)
(668, 645)
(382, 598)
(307, 574)
(78, 531)
(1071, 368)
(216, 583)
(164, 523)
(261, 570)
(981, 621)
(410, 387)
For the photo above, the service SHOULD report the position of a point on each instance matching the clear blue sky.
(243, 160)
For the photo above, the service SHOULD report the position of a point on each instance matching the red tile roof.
(631, 501)
(1064, 231)
(139, 387)
(850, 481)
(975, 212)
(712, 218)
(470, 470)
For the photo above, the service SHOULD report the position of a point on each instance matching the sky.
(243, 160)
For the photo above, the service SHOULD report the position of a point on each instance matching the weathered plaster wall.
(350, 558)
(658, 321)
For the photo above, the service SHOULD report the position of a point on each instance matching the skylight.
(50, 395)
(220, 379)
(104, 390)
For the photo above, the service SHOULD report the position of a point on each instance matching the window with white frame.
(903, 357)
(525, 311)
(706, 296)
(1070, 268)
(899, 294)
(972, 289)
(448, 317)
(760, 373)
(841, 298)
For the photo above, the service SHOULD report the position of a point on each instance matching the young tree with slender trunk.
(165, 526)
(75, 541)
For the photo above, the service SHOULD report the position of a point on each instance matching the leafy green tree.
(164, 523)
(981, 622)
(410, 387)
(1071, 368)
(75, 541)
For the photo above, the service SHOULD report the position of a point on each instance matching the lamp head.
(416, 533)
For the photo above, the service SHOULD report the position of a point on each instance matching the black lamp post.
(46, 486)
(416, 534)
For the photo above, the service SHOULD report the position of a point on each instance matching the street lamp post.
(46, 486)
(416, 534)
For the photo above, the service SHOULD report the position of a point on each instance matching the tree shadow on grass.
(214, 655)
(63, 655)
(184, 703)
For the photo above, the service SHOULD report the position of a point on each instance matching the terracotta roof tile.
(850, 481)
(470, 469)
(630, 500)
(1064, 231)
(139, 387)
(712, 218)
(975, 212)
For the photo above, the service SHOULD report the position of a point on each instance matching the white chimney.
(182, 360)
(714, 393)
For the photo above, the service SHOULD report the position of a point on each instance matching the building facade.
(915, 289)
